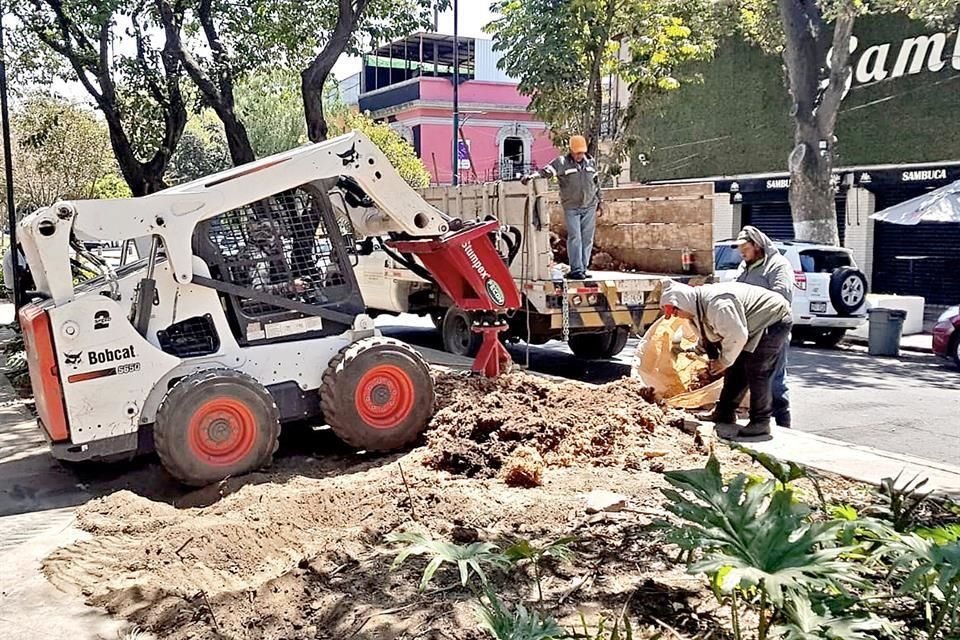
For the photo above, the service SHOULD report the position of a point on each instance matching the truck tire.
(599, 346)
(457, 336)
(213, 424)
(848, 290)
(377, 395)
(829, 338)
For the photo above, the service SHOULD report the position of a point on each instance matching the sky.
(474, 15)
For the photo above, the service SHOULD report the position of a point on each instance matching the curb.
(903, 347)
(857, 462)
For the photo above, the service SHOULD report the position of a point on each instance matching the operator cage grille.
(280, 246)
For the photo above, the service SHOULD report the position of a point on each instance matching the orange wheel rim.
(222, 431)
(385, 396)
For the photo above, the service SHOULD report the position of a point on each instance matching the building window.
(513, 158)
(516, 150)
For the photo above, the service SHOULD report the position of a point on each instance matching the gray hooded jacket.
(732, 314)
(773, 271)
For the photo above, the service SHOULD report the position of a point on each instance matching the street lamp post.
(8, 173)
(456, 93)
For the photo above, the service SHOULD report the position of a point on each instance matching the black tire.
(829, 338)
(213, 424)
(955, 349)
(848, 290)
(377, 395)
(599, 346)
(458, 337)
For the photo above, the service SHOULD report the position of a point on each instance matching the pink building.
(409, 83)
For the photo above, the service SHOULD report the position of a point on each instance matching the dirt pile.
(300, 552)
(483, 423)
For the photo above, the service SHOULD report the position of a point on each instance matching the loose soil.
(299, 552)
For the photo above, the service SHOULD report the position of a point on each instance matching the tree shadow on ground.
(855, 369)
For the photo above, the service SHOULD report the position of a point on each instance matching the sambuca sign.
(887, 61)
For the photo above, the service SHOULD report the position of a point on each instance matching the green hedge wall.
(735, 120)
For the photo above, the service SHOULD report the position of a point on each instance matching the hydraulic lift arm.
(462, 258)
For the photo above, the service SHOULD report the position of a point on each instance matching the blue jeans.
(779, 390)
(581, 226)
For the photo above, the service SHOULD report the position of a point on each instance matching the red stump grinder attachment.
(468, 268)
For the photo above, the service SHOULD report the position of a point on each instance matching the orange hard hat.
(578, 144)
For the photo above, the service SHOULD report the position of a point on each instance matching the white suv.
(829, 292)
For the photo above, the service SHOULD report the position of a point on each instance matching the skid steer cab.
(233, 308)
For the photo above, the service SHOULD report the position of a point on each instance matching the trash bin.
(886, 327)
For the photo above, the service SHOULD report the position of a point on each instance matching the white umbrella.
(940, 205)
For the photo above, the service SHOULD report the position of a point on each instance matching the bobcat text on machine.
(244, 313)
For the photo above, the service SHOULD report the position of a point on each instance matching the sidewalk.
(917, 343)
(38, 518)
(864, 464)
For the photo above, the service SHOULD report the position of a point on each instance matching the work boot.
(575, 276)
(783, 420)
(718, 417)
(755, 428)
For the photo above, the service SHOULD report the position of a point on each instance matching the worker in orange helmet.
(580, 197)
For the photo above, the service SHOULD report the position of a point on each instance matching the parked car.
(829, 294)
(946, 335)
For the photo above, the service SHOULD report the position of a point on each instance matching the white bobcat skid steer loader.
(244, 314)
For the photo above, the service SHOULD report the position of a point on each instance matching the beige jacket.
(733, 315)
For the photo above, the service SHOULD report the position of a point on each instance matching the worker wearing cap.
(764, 266)
(749, 326)
(580, 197)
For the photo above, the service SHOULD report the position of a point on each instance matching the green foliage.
(469, 559)
(270, 105)
(757, 541)
(862, 534)
(519, 624)
(111, 186)
(900, 503)
(560, 53)
(526, 550)
(112, 48)
(807, 623)
(399, 152)
(931, 575)
(944, 534)
(61, 151)
(201, 152)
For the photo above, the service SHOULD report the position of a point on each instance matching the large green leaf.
(756, 535)
(804, 623)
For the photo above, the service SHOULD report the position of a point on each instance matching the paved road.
(907, 405)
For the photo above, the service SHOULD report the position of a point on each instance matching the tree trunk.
(218, 92)
(311, 86)
(817, 94)
(595, 86)
(811, 192)
(314, 77)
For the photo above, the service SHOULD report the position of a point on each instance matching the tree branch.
(839, 70)
(316, 74)
(148, 73)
